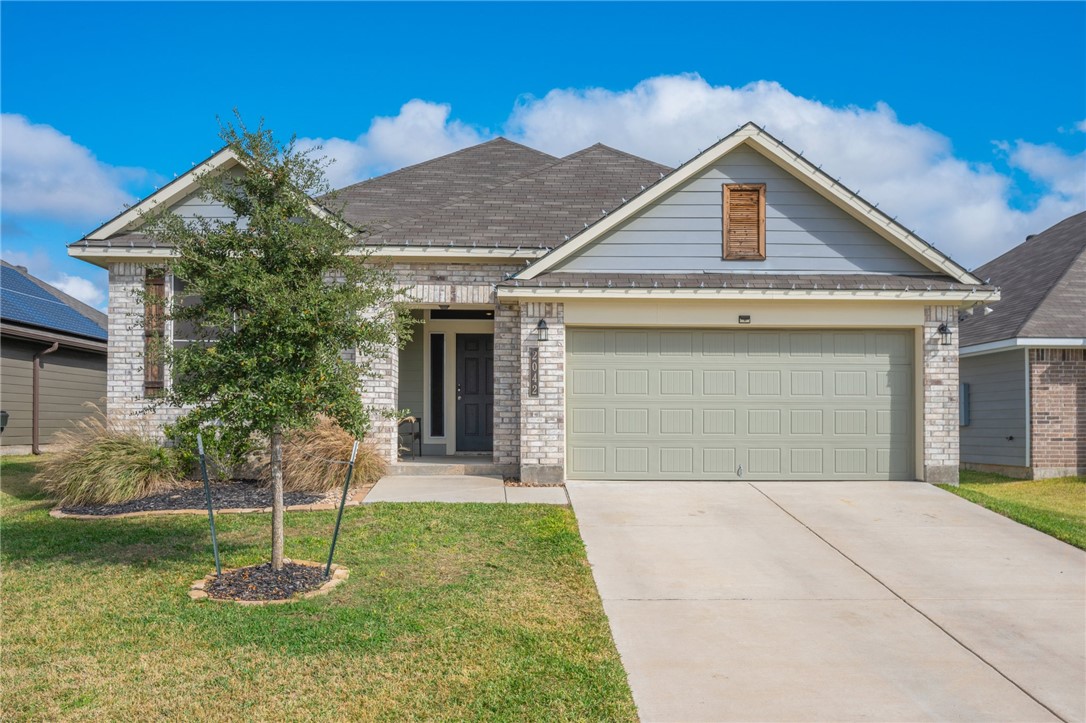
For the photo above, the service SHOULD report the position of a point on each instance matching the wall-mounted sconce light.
(946, 333)
(541, 330)
(744, 318)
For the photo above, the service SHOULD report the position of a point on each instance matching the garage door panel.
(700, 404)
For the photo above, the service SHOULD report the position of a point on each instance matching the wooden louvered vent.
(744, 221)
(154, 333)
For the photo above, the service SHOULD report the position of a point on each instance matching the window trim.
(727, 188)
(154, 328)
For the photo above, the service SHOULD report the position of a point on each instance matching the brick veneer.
(940, 421)
(507, 383)
(125, 400)
(1057, 380)
(543, 418)
(531, 430)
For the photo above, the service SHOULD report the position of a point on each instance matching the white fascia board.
(168, 194)
(103, 256)
(964, 298)
(992, 347)
(640, 202)
(802, 169)
(182, 186)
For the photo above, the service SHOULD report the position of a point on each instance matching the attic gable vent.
(744, 221)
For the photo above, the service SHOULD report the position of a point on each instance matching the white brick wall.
(125, 400)
(940, 442)
(543, 418)
(507, 384)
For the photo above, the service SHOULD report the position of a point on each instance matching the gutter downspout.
(35, 396)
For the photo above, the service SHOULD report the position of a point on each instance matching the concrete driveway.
(831, 601)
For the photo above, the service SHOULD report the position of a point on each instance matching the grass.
(470, 611)
(1056, 507)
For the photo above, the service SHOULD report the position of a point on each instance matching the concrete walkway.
(834, 601)
(460, 488)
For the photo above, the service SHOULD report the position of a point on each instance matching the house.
(52, 360)
(600, 316)
(1023, 365)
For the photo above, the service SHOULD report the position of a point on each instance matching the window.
(154, 332)
(963, 405)
(437, 385)
(184, 333)
(744, 221)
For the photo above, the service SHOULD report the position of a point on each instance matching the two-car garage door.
(721, 404)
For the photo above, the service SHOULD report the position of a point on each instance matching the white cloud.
(964, 208)
(45, 173)
(420, 131)
(1051, 166)
(83, 289)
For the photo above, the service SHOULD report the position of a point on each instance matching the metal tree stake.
(342, 504)
(207, 494)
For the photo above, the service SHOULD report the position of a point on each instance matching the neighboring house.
(1024, 363)
(42, 327)
(600, 316)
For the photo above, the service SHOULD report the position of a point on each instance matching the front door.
(474, 392)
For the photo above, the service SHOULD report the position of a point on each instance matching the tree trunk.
(277, 499)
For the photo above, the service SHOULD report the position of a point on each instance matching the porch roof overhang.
(845, 287)
(103, 254)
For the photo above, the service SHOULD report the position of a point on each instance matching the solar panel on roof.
(23, 301)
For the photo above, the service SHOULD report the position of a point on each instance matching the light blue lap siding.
(804, 232)
(996, 433)
(198, 206)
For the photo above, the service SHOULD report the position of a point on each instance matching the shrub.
(99, 463)
(306, 455)
(228, 454)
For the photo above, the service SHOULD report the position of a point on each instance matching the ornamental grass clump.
(310, 458)
(99, 463)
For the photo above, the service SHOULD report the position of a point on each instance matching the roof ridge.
(545, 167)
(466, 196)
(627, 154)
(427, 162)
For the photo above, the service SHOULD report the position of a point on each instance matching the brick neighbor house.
(1023, 365)
(601, 316)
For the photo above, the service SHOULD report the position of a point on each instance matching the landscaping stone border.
(339, 575)
(354, 498)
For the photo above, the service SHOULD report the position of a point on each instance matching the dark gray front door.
(474, 392)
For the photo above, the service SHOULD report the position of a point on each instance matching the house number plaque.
(533, 372)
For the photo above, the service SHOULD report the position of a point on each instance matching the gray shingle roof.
(1042, 285)
(538, 209)
(30, 301)
(414, 190)
(850, 282)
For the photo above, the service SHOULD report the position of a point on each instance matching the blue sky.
(965, 119)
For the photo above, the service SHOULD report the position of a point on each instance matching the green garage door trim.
(701, 404)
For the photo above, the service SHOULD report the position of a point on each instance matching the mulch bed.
(235, 494)
(261, 582)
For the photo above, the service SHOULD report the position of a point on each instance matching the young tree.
(274, 298)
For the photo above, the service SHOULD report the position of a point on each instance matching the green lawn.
(1054, 506)
(464, 611)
